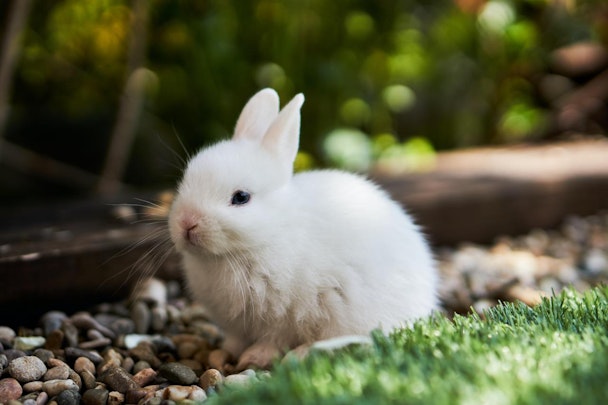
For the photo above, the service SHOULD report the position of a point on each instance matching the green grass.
(555, 353)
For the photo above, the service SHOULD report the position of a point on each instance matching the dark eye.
(240, 197)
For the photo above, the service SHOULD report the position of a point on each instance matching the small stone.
(74, 376)
(95, 344)
(116, 398)
(218, 358)
(68, 397)
(51, 321)
(26, 369)
(84, 320)
(144, 377)
(123, 326)
(177, 373)
(10, 390)
(176, 393)
(141, 315)
(57, 373)
(111, 359)
(140, 365)
(159, 318)
(128, 364)
(118, 379)
(27, 401)
(83, 363)
(186, 350)
(238, 379)
(12, 354)
(210, 378)
(197, 393)
(42, 398)
(96, 396)
(70, 333)
(7, 334)
(27, 343)
(54, 387)
(74, 352)
(88, 379)
(32, 386)
(145, 351)
(193, 365)
(44, 355)
(54, 340)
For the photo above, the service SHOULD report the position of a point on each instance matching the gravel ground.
(159, 347)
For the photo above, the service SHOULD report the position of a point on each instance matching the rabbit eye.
(240, 197)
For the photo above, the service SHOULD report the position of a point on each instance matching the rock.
(27, 343)
(84, 320)
(32, 386)
(74, 352)
(54, 340)
(211, 378)
(70, 333)
(140, 365)
(44, 355)
(116, 398)
(42, 398)
(88, 379)
(145, 351)
(142, 317)
(96, 396)
(68, 397)
(177, 373)
(51, 321)
(95, 344)
(186, 350)
(118, 379)
(54, 387)
(26, 369)
(144, 377)
(180, 393)
(159, 318)
(7, 334)
(218, 358)
(238, 379)
(12, 354)
(83, 363)
(57, 373)
(10, 390)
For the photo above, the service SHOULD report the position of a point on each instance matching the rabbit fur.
(309, 256)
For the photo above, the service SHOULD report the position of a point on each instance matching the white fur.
(311, 256)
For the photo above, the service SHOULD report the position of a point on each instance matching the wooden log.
(77, 254)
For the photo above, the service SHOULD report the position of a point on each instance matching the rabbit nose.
(190, 233)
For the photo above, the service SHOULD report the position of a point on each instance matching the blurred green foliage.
(386, 82)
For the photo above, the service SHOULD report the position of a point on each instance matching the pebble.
(27, 368)
(54, 387)
(96, 396)
(74, 352)
(178, 373)
(84, 320)
(118, 379)
(116, 398)
(88, 379)
(142, 317)
(54, 340)
(152, 291)
(57, 373)
(238, 379)
(27, 343)
(68, 397)
(44, 355)
(7, 334)
(145, 377)
(52, 320)
(32, 386)
(10, 390)
(211, 378)
(82, 363)
(218, 359)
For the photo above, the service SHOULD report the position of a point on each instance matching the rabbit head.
(229, 191)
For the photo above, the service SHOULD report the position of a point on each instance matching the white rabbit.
(282, 260)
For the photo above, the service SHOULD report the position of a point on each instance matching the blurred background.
(100, 96)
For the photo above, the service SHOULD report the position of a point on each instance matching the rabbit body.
(307, 257)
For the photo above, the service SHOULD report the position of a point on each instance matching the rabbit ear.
(283, 136)
(257, 115)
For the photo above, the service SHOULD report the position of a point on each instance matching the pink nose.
(190, 232)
